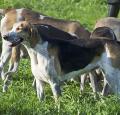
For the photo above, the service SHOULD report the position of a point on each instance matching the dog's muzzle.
(13, 39)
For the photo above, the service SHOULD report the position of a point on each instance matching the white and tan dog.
(102, 53)
(108, 22)
(97, 76)
(11, 16)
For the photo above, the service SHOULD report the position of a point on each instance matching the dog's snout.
(5, 37)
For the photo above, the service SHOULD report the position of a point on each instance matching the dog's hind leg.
(82, 82)
(5, 55)
(93, 80)
(34, 83)
(13, 66)
(55, 86)
(106, 88)
(40, 90)
(8, 76)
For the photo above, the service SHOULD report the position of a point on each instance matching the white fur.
(73, 34)
(19, 11)
(43, 67)
(42, 17)
(112, 74)
(3, 26)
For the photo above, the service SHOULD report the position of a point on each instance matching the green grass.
(21, 97)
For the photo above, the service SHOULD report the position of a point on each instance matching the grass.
(21, 97)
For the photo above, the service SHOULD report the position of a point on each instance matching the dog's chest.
(42, 64)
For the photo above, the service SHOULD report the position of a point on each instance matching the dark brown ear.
(103, 32)
(33, 31)
(25, 25)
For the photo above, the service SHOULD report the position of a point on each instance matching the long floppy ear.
(103, 32)
(33, 31)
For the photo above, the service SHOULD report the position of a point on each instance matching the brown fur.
(103, 32)
(112, 23)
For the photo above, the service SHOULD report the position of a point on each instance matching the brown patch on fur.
(15, 54)
(5, 11)
(10, 19)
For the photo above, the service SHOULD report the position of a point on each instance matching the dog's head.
(105, 32)
(21, 32)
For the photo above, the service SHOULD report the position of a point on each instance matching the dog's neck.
(40, 48)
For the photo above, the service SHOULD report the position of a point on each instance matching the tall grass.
(21, 97)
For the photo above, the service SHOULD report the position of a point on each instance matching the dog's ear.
(24, 25)
(103, 32)
(33, 31)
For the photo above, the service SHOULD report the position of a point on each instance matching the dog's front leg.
(40, 90)
(5, 55)
(13, 66)
(55, 86)
(106, 88)
(8, 76)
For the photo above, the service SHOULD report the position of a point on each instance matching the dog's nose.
(5, 37)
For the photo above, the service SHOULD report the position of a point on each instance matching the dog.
(11, 16)
(102, 53)
(98, 75)
(114, 24)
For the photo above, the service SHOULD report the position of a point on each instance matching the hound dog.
(112, 23)
(84, 56)
(98, 75)
(11, 16)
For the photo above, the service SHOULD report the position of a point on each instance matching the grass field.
(21, 97)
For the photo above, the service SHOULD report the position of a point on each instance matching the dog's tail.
(77, 73)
